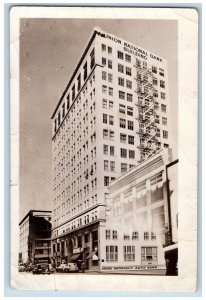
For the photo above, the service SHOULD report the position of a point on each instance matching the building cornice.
(34, 211)
(139, 171)
(79, 215)
(75, 71)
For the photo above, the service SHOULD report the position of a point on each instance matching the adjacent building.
(112, 115)
(35, 237)
(137, 220)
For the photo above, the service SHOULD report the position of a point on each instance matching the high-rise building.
(112, 115)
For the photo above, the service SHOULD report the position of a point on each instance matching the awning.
(75, 256)
(91, 254)
(170, 247)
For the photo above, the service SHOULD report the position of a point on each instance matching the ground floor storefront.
(80, 246)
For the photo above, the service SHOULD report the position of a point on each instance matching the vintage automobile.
(66, 268)
(22, 268)
(72, 267)
(62, 268)
(39, 269)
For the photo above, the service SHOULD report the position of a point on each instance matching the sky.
(49, 52)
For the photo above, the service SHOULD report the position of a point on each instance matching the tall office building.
(111, 115)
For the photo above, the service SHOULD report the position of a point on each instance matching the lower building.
(35, 237)
(137, 220)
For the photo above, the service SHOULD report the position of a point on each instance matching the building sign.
(134, 50)
(78, 250)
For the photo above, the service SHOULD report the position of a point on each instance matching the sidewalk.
(154, 272)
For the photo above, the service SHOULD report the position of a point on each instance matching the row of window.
(148, 254)
(122, 124)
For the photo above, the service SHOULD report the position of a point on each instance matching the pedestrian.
(83, 267)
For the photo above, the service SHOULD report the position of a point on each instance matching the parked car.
(22, 268)
(62, 268)
(72, 267)
(42, 270)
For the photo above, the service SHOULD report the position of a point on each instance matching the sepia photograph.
(99, 156)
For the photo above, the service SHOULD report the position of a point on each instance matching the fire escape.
(148, 142)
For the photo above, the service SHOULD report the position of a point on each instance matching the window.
(108, 234)
(164, 121)
(104, 61)
(153, 236)
(63, 110)
(148, 254)
(162, 84)
(127, 57)
(126, 237)
(79, 82)
(111, 253)
(155, 82)
(120, 55)
(122, 123)
(110, 77)
(105, 134)
(106, 180)
(154, 69)
(105, 149)
(111, 120)
(104, 103)
(158, 132)
(129, 84)
(129, 253)
(109, 64)
(114, 234)
(112, 150)
(128, 71)
(130, 111)
(155, 94)
(123, 153)
(122, 108)
(157, 119)
(130, 139)
(163, 95)
(131, 154)
(123, 138)
(165, 134)
(106, 165)
(123, 167)
(166, 146)
(130, 125)
(92, 60)
(68, 101)
(135, 235)
(112, 166)
(103, 47)
(131, 166)
(109, 50)
(163, 107)
(110, 91)
(111, 135)
(105, 118)
(73, 92)
(120, 68)
(129, 97)
(121, 95)
(161, 72)
(104, 89)
(121, 81)
(146, 236)
(111, 104)
(104, 75)
(85, 71)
